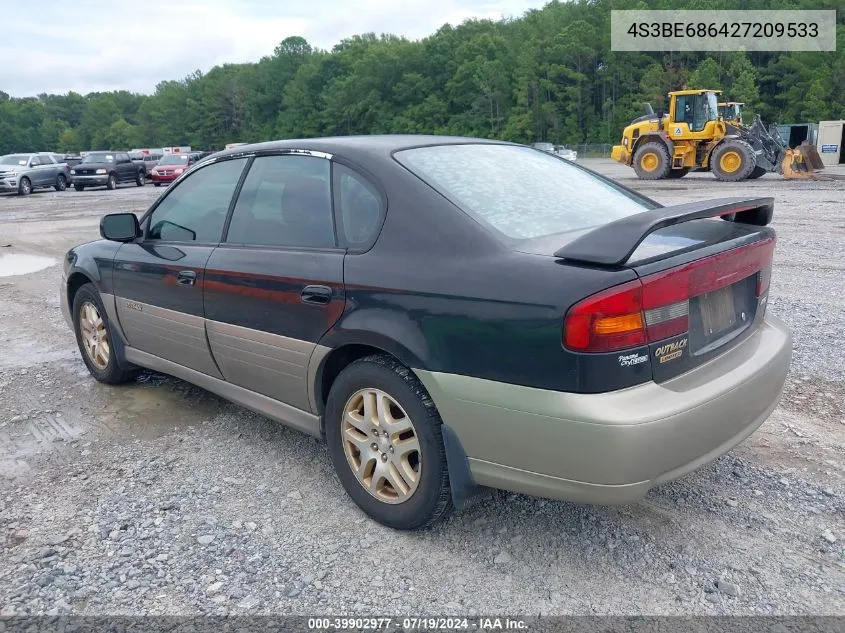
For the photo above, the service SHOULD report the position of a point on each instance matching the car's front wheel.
(111, 183)
(94, 336)
(24, 187)
(79, 187)
(384, 437)
(141, 179)
(61, 183)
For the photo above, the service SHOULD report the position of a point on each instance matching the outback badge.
(670, 351)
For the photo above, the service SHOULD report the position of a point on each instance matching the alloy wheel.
(381, 446)
(95, 337)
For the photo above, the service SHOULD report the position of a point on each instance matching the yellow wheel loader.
(693, 136)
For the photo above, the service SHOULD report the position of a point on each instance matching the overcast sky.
(55, 46)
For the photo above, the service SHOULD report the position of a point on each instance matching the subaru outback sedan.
(447, 313)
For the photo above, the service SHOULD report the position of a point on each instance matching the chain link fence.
(592, 150)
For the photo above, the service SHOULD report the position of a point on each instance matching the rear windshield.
(520, 192)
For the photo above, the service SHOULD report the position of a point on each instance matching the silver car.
(24, 173)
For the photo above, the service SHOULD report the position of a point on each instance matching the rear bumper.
(613, 447)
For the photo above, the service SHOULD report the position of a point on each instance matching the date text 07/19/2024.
(418, 623)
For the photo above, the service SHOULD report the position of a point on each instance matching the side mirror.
(120, 227)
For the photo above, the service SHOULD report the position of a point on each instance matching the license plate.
(718, 312)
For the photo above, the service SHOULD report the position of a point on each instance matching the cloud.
(129, 46)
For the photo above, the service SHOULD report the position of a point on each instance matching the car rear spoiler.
(613, 243)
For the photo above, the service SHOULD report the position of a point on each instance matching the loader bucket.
(801, 162)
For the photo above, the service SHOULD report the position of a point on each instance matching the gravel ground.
(160, 498)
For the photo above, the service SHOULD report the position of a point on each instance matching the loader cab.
(692, 112)
(731, 112)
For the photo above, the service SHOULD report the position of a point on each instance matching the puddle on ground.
(149, 408)
(154, 406)
(23, 264)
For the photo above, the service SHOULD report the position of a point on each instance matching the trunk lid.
(702, 282)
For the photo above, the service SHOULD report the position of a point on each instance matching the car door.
(125, 168)
(39, 171)
(158, 279)
(274, 286)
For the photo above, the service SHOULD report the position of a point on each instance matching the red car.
(170, 167)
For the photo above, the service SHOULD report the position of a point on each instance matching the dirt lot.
(159, 497)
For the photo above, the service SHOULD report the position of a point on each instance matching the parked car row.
(26, 172)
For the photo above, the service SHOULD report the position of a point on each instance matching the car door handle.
(321, 295)
(186, 278)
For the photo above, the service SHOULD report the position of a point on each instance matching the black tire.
(111, 373)
(61, 183)
(651, 161)
(757, 172)
(141, 178)
(733, 160)
(24, 186)
(674, 174)
(432, 500)
(79, 187)
(157, 184)
(111, 183)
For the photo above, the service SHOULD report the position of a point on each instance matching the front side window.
(520, 192)
(195, 209)
(285, 201)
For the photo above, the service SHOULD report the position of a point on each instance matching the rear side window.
(285, 201)
(359, 207)
(520, 192)
(195, 210)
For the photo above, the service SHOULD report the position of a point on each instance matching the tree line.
(549, 75)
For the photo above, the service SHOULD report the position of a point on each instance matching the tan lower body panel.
(276, 366)
(613, 446)
(175, 336)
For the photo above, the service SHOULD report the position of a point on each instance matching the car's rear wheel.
(94, 336)
(385, 441)
(141, 179)
(24, 187)
(111, 183)
(79, 187)
(61, 183)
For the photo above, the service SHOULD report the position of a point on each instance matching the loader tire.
(733, 160)
(651, 161)
(757, 172)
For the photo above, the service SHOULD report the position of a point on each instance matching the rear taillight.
(656, 307)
